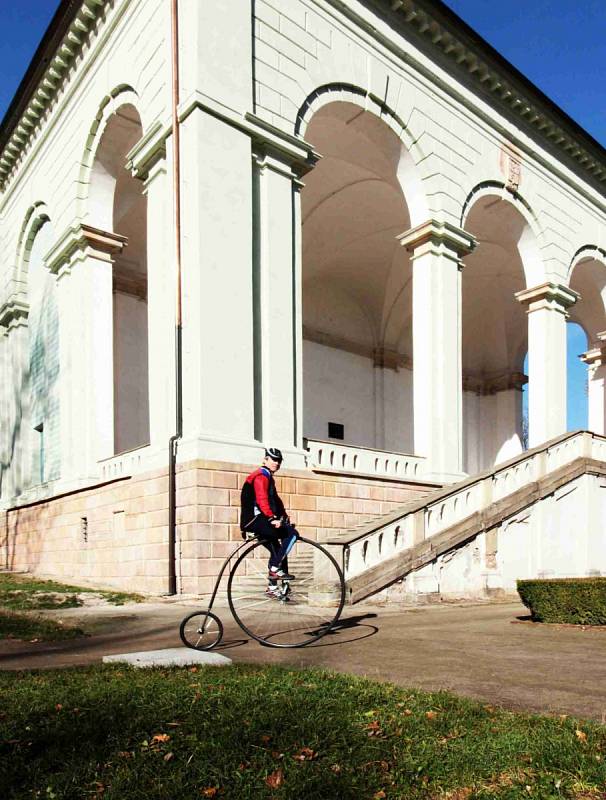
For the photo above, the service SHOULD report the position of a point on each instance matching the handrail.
(415, 505)
(381, 575)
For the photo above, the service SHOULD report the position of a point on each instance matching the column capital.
(494, 383)
(80, 240)
(596, 355)
(149, 153)
(14, 312)
(440, 238)
(550, 296)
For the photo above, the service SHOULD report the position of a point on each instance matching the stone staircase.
(553, 490)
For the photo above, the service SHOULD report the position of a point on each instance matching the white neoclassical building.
(380, 222)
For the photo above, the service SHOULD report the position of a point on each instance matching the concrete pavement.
(480, 651)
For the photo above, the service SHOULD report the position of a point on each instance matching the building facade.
(381, 219)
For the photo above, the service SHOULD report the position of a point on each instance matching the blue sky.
(558, 45)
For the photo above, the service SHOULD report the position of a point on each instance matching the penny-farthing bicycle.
(301, 610)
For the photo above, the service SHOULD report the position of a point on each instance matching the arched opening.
(43, 358)
(577, 384)
(495, 331)
(118, 204)
(587, 340)
(357, 283)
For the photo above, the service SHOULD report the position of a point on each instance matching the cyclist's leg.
(268, 536)
(288, 536)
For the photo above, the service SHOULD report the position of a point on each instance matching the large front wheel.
(293, 613)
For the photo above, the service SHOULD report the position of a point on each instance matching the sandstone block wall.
(116, 534)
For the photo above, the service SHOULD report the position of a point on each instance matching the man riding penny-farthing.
(271, 604)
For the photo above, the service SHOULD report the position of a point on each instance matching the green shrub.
(580, 601)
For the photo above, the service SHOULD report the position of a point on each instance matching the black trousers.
(278, 541)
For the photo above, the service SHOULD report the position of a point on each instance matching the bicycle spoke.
(303, 609)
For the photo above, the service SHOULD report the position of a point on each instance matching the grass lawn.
(248, 732)
(32, 628)
(23, 593)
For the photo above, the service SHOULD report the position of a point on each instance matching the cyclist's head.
(273, 458)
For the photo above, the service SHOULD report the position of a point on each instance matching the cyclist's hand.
(277, 523)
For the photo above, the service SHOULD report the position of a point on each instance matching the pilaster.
(14, 320)
(147, 161)
(436, 249)
(547, 308)
(278, 291)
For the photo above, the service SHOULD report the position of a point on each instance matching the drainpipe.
(172, 442)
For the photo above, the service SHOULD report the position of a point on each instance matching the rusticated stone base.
(116, 534)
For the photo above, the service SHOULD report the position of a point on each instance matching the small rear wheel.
(201, 630)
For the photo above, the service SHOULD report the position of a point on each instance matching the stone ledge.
(172, 657)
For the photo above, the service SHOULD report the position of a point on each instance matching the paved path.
(480, 651)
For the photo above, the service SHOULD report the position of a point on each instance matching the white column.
(217, 266)
(596, 385)
(82, 260)
(436, 250)
(547, 314)
(279, 305)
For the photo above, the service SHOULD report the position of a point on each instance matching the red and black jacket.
(260, 496)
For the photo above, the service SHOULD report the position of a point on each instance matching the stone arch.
(410, 169)
(36, 216)
(38, 288)
(120, 96)
(587, 277)
(530, 243)
(495, 331)
(586, 251)
(355, 204)
(113, 200)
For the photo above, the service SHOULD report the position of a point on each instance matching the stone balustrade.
(344, 458)
(124, 464)
(420, 520)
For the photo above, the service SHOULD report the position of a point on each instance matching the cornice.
(269, 140)
(467, 54)
(429, 22)
(62, 47)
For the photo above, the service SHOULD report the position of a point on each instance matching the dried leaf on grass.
(160, 738)
(305, 754)
(373, 728)
(581, 735)
(275, 780)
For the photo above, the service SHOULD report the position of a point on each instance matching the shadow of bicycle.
(361, 629)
